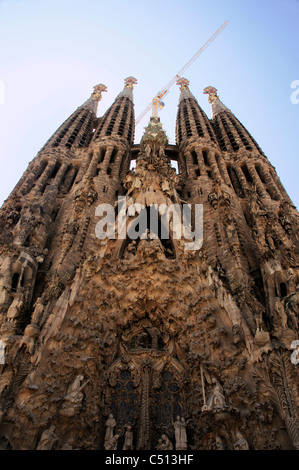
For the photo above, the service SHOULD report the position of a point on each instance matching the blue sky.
(53, 52)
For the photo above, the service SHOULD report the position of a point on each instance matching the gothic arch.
(144, 386)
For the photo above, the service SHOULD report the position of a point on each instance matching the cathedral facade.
(131, 341)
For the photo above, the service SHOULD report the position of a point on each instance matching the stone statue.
(16, 306)
(110, 425)
(128, 443)
(38, 311)
(241, 443)
(180, 433)
(160, 445)
(73, 398)
(216, 399)
(74, 393)
(112, 443)
(48, 439)
(166, 442)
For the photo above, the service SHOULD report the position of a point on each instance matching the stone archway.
(145, 386)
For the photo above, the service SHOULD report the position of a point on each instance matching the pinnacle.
(216, 104)
(184, 88)
(128, 88)
(96, 96)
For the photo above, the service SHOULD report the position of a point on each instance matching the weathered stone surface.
(139, 344)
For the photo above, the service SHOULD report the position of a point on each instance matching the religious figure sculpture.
(180, 433)
(168, 444)
(16, 306)
(110, 425)
(160, 445)
(73, 398)
(112, 443)
(48, 439)
(164, 443)
(128, 443)
(216, 399)
(241, 443)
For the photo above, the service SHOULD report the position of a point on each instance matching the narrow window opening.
(55, 170)
(260, 173)
(234, 144)
(194, 157)
(205, 157)
(234, 181)
(15, 282)
(246, 173)
(113, 155)
(174, 164)
(283, 289)
(132, 164)
(123, 160)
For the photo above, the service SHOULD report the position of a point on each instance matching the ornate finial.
(184, 83)
(129, 82)
(98, 89)
(154, 135)
(212, 92)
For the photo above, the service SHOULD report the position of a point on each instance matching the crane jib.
(165, 90)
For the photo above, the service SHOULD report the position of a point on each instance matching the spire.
(128, 88)
(76, 131)
(184, 88)
(217, 105)
(192, 122)
(119, 119)
(230, 132)
(96, 96)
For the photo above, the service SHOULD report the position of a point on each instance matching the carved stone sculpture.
(241, 443)
(110, 425)
(180, 433)
(216, 399)
(115, 340)
(128, 442)
(111, 444)
(164, 443)
(73, 398)
(48, 439)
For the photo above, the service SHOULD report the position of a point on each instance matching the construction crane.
(157, 103)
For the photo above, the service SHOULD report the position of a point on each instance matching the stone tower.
(133, 341)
